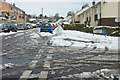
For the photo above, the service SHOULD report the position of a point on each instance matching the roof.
(32, 19)
(89, 8)
(68, 18)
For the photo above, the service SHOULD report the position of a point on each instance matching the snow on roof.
(66, 23)
(68, 18)
(32, 19)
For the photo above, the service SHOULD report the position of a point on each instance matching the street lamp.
(42, 14)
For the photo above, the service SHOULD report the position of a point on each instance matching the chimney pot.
(93, 3)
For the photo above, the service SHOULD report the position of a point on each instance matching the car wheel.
(15, 30)
(8, 31)
(50, 31)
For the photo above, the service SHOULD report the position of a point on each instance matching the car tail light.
(23, 26)
(50, 25)
(41, 25)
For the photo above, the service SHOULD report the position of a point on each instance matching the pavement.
(28, 55)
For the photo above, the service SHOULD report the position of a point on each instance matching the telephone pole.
(42, 14)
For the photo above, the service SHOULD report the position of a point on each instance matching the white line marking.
(19, 34)
(33, 64)
(51, 51)
(43, 75)
(25, 74)
(38, 56)
(49, 56)
(8, 37)
(46, 64)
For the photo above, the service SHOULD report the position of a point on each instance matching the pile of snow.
(103, 73)
(102, 27)
(58, 30)
(7, 65)
(7, 33)
(66, 23)
(105, 27)
(34, 35)
(82, 39)
(45, 34)
(2, 33)
(79, 39)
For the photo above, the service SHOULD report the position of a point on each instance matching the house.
(68, 19)
(103, 13)
(84, 8)
(12, 13)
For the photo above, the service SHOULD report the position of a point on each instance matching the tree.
(29, 16)
(70, 13)
(45, 17)
(56, 16)
(62, 17)
(40, 16)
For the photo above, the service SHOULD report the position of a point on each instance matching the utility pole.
(42, 14)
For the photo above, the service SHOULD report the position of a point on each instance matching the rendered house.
(103, 13)
(12, 13)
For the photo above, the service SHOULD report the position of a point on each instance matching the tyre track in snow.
(43, 73)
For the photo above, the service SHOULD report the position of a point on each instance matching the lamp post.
(42, 14)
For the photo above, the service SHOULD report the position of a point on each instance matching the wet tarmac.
(29, 52)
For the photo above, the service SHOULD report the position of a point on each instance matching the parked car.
(8, 27)
(29, 26)
(0, 27)
(13, 27)
(38, 25)
(53, 25)
(22, 26)
(34, 25)
(46, 27)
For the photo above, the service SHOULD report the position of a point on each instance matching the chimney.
(93, 3)
(13, 4)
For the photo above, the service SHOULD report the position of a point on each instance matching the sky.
(50, 7)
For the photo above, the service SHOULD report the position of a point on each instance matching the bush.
(74, 26)
(83, 28)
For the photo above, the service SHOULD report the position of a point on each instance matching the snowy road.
(31, 54)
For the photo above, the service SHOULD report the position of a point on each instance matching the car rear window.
(46, 25)
(5, 25)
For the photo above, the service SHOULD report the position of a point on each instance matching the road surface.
(29, 55)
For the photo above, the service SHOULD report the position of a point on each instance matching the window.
(11, 9)
(96, 17)
(96, 23)
(89, 12)
(19, 17)
(96, 10)
(83, 18)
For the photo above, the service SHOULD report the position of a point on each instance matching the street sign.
(103, 31)
(99, 31)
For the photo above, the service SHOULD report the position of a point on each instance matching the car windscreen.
(5, 25)
(21, 24)
(13, 25)
(27, 25)
(46, 25)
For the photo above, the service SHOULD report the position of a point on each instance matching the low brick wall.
(108, 22)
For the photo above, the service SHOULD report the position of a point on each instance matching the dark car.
(13, 27)
(29, 26)
(9, 27)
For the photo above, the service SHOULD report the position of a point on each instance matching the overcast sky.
(50, 7)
